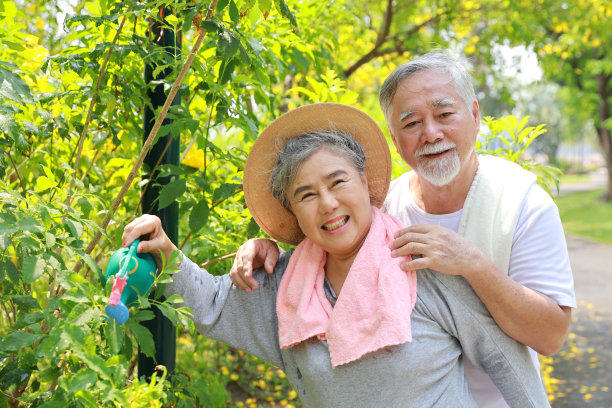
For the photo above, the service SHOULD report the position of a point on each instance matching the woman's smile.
(336, 224)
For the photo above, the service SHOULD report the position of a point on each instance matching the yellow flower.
(234, 377)
(194, 158)
(292, 394)
(224, 370)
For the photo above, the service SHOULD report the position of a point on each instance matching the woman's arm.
(221, 311)
(454, 305)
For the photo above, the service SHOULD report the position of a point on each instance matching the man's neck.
(444, 199)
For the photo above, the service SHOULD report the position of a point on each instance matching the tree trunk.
(605, 138)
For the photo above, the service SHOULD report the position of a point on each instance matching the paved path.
(584, 365)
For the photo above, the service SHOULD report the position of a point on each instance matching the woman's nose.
(327, 202)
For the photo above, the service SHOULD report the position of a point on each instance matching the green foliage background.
(72, 97)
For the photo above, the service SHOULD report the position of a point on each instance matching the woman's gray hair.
(437, 61)
(298, 149)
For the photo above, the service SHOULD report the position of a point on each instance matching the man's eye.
(410, 124)
(446, 114)
(337, 182)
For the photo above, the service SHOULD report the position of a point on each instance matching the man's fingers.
(271, 260)
(240, 283)
(414, 264)
(241, 276)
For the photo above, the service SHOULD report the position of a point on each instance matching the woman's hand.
(153, 237)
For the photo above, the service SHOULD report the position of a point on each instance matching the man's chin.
(439, 174)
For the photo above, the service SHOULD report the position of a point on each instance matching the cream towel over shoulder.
(493, 205)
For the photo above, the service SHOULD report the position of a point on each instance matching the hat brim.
(267, 211)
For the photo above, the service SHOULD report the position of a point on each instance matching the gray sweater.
(448, 323)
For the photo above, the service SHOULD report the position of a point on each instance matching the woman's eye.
(410, 124)
(446, 114)
(337, 182)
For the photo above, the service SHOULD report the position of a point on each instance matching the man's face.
(431, 127)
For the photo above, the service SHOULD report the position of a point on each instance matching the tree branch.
(380, 40)
(151, 138)
(379, 51)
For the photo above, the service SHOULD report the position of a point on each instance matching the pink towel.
(373, 309)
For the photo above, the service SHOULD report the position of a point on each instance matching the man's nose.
(431, 131)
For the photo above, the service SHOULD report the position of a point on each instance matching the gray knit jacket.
(449, 323)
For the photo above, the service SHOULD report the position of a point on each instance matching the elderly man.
(478, 217)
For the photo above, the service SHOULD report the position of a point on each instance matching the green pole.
(164, 332)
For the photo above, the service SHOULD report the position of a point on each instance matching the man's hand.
(251, 255)
(524, 314)
(157, 240)
(441, 250)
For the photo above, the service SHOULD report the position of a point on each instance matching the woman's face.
(331, 202)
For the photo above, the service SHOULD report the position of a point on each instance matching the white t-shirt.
(538, 260)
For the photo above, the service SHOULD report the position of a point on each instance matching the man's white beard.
(442, 171)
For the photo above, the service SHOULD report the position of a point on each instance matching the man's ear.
(392, 135)
(476, 113)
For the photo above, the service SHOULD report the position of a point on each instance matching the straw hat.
(267, 211)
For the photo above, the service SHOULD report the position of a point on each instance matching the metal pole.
(164, 332)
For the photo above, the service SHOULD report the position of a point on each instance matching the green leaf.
(221, 4)
(9, 271)
(18, 339)
(198, 216)
(169, 312)
(93, 265)
(29, 224)
(227, 44)
(28, 319)
(172, 20)
(143, 315)
(211, 26)
(114, 336)
(226, 70)
(174, 299)
(281, 6)
(25, 302)
(224, 191)
(32, 269)
(82, 380)
(233, 12)
(74, 227)
(170, 192)
(252, 228)
(12, 374)
(50, 374)
(144, 338)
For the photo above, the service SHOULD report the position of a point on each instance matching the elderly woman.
(339, 316)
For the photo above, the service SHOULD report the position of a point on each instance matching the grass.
(585, 215)
(574, 178)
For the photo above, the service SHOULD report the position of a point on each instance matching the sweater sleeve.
(222, 312)
(451, 302)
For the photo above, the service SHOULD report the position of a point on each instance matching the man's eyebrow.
(440, 102)
(405, 115)
(331, 175)
(444, 102)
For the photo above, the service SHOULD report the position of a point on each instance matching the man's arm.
(251, 255)
(527, 316)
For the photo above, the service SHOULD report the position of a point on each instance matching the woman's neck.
(337, 269)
